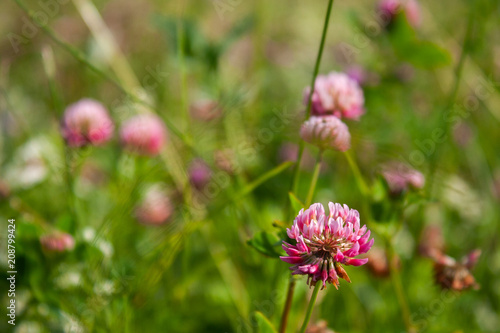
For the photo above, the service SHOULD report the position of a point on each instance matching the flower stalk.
(310, 307)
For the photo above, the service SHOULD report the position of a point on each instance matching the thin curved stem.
(310, 307)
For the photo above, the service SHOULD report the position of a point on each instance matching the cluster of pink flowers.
(57, 242)
(325, 242)
(335, 96)
(87, 122)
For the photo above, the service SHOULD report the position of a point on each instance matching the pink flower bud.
(155, 208)
(144, 134)
(336, 94)
(327, 132)
(57, 242)
(86, 122)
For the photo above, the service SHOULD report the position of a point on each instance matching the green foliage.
(410, 48)
(213, 266)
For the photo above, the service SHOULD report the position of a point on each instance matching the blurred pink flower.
(199, 173)
(144, 134)
(400, 177)
(155, 208)
(411, 9)
(336, 94)
(325, 242)
(57, 242)
(431, 242)
(86, 122)
(327, 132)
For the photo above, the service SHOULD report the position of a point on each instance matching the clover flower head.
(326, 132)
(326, 242)
(86, 122)
(336, 94)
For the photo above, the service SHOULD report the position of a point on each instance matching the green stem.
(310, 307)
(314, 180)
(357, 174)
(296, 170)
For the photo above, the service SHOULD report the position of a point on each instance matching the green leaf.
(266, 243)
(265, 326)
(297, 205)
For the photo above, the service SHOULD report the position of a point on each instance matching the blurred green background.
(197, 273)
